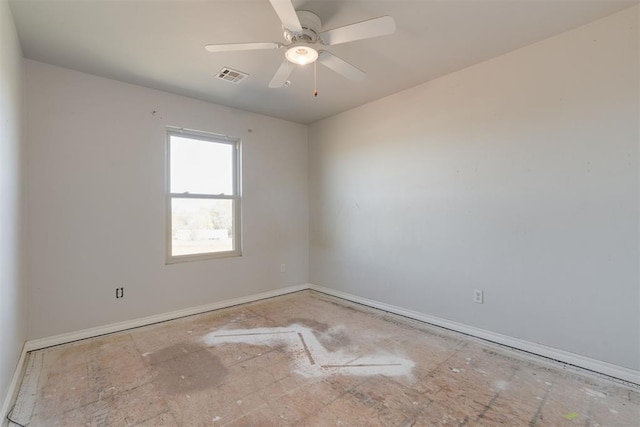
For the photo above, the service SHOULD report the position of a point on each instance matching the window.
(203, 200)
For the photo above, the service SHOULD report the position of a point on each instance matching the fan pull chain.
(315, 78)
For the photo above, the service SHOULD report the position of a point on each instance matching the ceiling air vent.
(233, 76)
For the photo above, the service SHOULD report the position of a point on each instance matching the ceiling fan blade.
(362, 30)
(341, 67)
(287, 14)
(281, 76)
(231, 47)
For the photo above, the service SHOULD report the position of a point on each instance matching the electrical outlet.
(283, 268)
(478, 296)
(119, 293)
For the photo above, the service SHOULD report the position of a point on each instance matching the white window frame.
(236, 197)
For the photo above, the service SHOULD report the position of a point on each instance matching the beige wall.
(517, 176)
(96, 203)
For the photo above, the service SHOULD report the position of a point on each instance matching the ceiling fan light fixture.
(301, 54)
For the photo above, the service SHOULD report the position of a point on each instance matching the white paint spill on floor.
(310, 358)
(593, 393)
(500, 385)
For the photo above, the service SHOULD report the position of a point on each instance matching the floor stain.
(335, 339)
(310, 323)
(332, 338)
(185, 368)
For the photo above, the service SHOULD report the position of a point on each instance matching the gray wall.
(96, 203)
(13, 307)
(518, 176)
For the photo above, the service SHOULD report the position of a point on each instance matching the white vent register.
(230, 75)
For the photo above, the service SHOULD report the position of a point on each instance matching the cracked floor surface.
(308, 359)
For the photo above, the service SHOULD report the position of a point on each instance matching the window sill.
(201, 257)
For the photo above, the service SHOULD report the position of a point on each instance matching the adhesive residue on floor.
(326, 363)
(309, 357)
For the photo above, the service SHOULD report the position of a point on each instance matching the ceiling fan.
(302, 32)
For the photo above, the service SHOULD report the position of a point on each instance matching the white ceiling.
(160, 44)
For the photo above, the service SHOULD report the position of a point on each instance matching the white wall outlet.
(283, 268)
(478, 296)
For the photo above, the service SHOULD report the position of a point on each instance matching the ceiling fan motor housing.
(310, 23)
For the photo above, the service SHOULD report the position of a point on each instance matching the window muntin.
(203, 196)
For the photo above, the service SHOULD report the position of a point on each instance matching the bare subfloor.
(307, 359)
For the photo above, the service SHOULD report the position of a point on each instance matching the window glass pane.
(201, 167)
(201, 226)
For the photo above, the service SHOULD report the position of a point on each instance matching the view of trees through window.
(204, 195)
(201, 226)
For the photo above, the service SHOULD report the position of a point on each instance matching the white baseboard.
(14, 386)
(144, 321)
(565, 357)
(562, 356)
